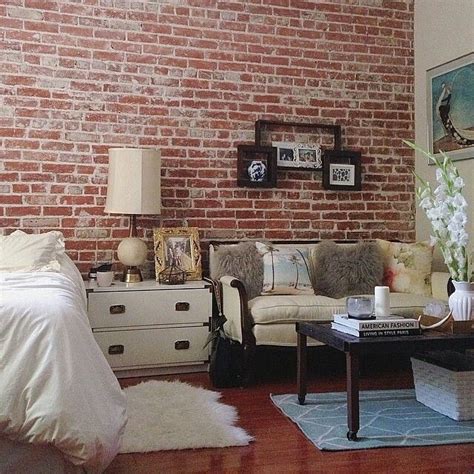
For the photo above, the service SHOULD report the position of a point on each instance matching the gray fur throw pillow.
(340, 270)
(241, 261)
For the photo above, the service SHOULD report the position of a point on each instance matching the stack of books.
(380, 326)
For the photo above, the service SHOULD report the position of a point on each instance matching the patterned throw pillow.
(285, 270)
(407, 267)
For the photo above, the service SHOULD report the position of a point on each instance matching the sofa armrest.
(235, 308)
(439, 285)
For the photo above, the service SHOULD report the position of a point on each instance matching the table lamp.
(133, 188)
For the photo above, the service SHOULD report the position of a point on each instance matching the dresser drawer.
(146, 308)
(153, 347)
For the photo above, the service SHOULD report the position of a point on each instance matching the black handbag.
(225, 364)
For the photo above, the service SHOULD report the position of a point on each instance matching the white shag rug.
(176, 415)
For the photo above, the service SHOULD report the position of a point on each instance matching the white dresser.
(147, 329)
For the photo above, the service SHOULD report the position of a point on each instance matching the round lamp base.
(132, 275)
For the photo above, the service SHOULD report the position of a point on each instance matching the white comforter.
(55, 384)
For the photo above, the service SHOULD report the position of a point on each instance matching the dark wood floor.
(279, 446)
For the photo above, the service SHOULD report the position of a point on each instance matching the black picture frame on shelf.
(342, 170)
(256, 166)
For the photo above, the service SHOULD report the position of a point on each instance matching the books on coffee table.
(381, 326)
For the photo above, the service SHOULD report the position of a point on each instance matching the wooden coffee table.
(354, 347)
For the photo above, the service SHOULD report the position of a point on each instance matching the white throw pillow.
(21, 252)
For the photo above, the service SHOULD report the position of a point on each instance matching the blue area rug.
(387, 418)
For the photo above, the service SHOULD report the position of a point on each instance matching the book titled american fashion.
(378, 324)
(376, 332)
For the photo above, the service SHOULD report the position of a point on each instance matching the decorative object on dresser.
(172, 275)
(147, 328)
(177, 248)
(133, 188)
(105, 278)
(256, 166)
(446, 207)
(342, 170)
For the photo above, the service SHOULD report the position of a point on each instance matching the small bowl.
(360, 307)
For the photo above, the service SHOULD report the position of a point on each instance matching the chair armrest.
(439, 285)
(235, 308)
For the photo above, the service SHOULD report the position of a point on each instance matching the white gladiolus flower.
(445, 207)
(459, 201)
(458, 183)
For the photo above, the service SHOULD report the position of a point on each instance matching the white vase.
(461, 302)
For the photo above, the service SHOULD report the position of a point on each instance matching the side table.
(148, 328)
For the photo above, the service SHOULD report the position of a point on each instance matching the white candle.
(382, 301)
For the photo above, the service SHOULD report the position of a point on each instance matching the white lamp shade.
(133, 185)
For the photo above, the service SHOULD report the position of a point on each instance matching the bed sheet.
(55, 385)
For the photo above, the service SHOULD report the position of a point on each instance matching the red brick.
(192, 83)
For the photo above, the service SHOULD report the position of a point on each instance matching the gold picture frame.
(178, 245)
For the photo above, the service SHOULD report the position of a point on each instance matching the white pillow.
(21, 252)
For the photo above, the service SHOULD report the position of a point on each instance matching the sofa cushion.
(339, 271)
(278, 309)
(241, 261)
(285, 269)
(407, 266)
(279, 335)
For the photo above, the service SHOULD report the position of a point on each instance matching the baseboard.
(151, 371)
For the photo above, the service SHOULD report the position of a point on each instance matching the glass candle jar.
(360, 307)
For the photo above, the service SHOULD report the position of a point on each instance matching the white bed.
(61, 407)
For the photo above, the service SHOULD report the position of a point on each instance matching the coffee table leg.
(301, 367)
(352, 374)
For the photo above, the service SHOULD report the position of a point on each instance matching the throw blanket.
(55, 384)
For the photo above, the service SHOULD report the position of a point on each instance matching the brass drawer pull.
(117, 309)
(181, 345)
(117, 349)
(181, 306)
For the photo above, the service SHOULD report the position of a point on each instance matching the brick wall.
(191, 77)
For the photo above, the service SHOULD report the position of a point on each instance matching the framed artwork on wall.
(256, 166)
(178, 246)
(305, 156)
(450, 99)
(342, 170)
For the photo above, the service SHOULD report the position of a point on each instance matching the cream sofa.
(270, 319)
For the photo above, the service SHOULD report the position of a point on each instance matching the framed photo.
(298, 156)
(450, 99)
(256, 166)
(342, 170)
(179, 246)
